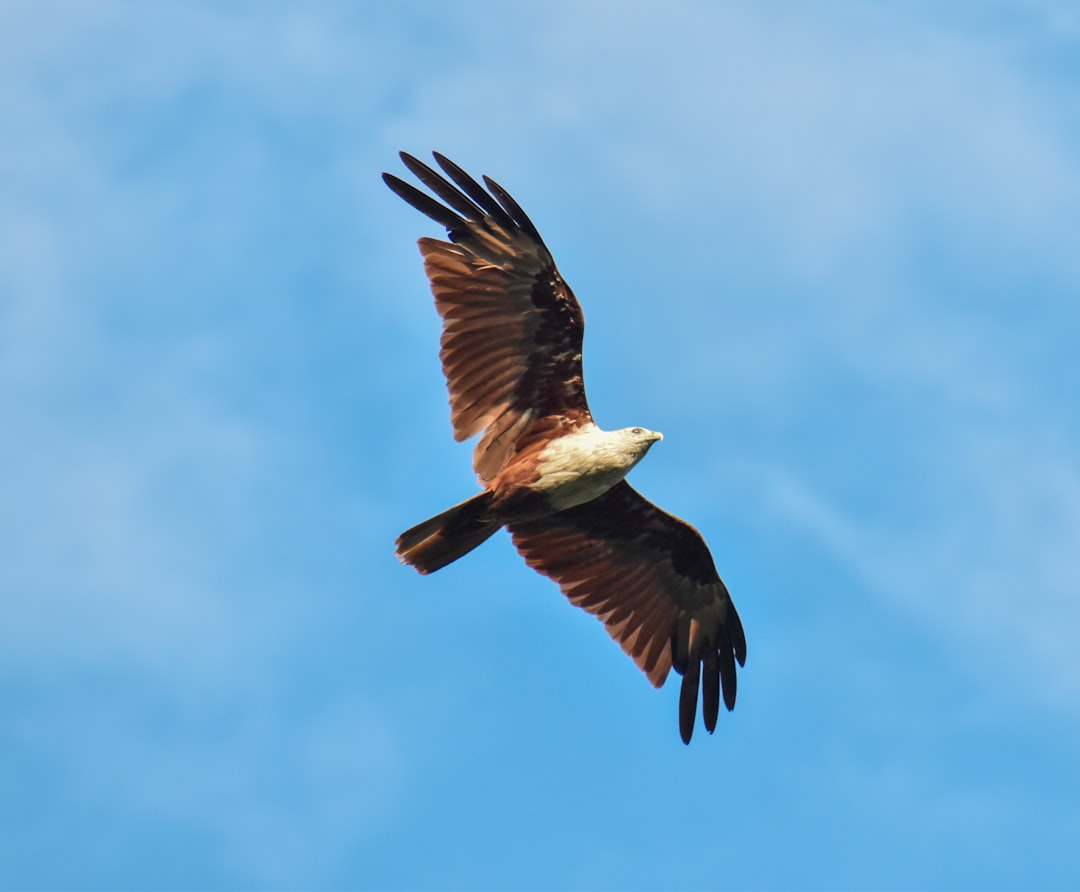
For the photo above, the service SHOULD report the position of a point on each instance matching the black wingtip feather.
(728, 676)
(513, 208)
(688, 695)
(737, 636)
(445, 190)
(710, 688)
(474, 190)
(425, 204)
(465, 195)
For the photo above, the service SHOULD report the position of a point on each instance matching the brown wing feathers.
(649, 578)
(595, 577)
(512, 328)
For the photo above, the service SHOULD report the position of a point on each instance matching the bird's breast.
(579, 467)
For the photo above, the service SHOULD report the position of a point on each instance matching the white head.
(590, 450)
(638, 440)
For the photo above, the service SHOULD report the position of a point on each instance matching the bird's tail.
(444, 538)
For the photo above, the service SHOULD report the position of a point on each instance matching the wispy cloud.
(987, 565)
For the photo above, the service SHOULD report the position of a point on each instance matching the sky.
(829, 249)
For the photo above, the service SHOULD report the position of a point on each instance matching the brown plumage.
(511, 353)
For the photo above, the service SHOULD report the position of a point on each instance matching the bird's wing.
(650, 578)
(512, 328)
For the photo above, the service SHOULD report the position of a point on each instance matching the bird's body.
(586, 463)
(511, 352)
(564, 472)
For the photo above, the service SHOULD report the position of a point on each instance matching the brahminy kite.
(511, 353)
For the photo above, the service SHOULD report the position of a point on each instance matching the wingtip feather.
(688, 696)
(729, 678)
(710, 688)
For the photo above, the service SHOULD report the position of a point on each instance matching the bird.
(511, 351)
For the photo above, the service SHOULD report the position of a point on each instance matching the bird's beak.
(656, 435)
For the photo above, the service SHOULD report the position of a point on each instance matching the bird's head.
(640, 439)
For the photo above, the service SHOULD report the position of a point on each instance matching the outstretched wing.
(512, 328)
(651, 580)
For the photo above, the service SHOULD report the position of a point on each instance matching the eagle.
(511, 353)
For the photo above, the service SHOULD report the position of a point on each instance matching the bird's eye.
(636, 431)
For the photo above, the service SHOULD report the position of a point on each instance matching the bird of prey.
(511, 353)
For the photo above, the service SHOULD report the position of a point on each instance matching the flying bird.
(511, 353)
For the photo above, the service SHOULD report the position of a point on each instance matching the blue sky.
(829, 249)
